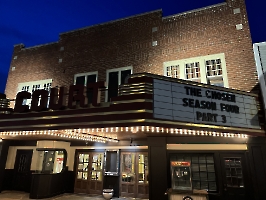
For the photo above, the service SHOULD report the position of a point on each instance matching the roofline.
(37, 46)
(109, 22)
(196, 10)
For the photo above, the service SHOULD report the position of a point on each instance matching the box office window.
(201, 172)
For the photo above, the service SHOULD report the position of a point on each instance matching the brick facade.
(128, 42)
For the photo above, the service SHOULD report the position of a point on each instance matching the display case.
(50, 178)
(50, 161)
(111, 163)
(181, 175)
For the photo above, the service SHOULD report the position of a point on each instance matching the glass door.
(134, 175)
(96, 177)
(143, 176)
(82, 172)
(128, 174)
(89, 173)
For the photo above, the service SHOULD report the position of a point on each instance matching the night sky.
(35, 22)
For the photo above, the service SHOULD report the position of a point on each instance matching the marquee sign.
(182, 102)
(57, 99)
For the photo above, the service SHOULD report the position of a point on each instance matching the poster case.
(181, 175)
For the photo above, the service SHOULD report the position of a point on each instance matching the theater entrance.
(134, 175)
(89, 173)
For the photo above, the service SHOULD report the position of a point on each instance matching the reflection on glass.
(143, 169)
(84, 175)
(128, 169)
(50, 161)
(86, 158)
(81, 156)
(233, 171)
(79, 175)
(97, 166)
(83, 166)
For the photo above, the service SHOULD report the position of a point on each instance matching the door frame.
(246, 173)
(136, 184)
(86, 151)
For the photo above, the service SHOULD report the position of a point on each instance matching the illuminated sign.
(57, 98)
(182, 102)
(180, 163)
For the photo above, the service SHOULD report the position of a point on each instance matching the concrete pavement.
(16, 195)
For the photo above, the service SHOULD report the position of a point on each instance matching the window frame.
(85, 74)
(119, 77)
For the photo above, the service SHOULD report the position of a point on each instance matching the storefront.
(159, 138)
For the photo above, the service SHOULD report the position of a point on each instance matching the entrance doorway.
(134, 175)
(89, 173)
(234, 169)
(22, 174)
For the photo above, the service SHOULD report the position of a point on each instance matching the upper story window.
(114, 78)
(209, 69)
(192, 70)
(214, 67)
(214, 72)
(84, 79)
(173, 71)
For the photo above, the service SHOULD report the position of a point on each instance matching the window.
(34, 85)
(192, 70)
(209, 69)
(197, 171)
(83, 79)
(116, 77)
(83, 163)
(214, 72)
(154, 43)
(213, 67)
(172, 71)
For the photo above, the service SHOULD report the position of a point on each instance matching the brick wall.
(128, 42)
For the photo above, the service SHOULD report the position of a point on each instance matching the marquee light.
(97, 134)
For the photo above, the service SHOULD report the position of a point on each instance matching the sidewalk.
(16, 195)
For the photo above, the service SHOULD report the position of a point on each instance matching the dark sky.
(35, 22)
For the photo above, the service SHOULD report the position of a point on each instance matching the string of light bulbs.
(98, 134)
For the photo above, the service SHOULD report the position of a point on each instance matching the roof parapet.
(41, 45)
(195, 10)
(110, 22)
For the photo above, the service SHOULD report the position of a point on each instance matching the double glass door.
(134, 175)
(89, 173)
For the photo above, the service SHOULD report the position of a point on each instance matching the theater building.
(152, 106)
